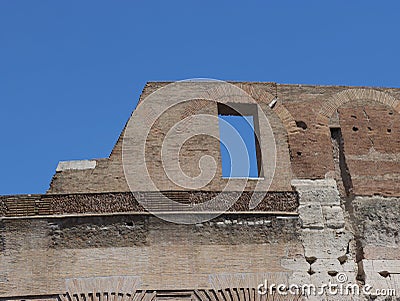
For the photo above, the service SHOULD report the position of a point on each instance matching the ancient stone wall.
(301, 121)
(377, 224)
(332, 208)
(40, 254)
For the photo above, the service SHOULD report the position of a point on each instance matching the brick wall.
(40, 254)
(300, 122)
(371, 136)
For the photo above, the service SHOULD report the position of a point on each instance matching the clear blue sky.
(71, 72)
(238, 146)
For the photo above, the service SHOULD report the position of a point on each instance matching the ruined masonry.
(330, 215)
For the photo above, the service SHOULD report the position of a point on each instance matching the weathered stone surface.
(334, 217)
(164, 255)
(325, 249)
(379, 220)
(311, 216)
(323, 192)
(325, 243)
(332, 264)
(76, 165)
(296, 264)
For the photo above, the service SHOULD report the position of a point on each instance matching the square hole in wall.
(239, 145)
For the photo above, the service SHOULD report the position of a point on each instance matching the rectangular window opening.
(239, 145)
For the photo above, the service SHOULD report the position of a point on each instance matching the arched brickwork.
(287, 118)
(263, 96)
(337, 100)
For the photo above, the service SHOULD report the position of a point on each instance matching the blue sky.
(71, 71)
(238, 146)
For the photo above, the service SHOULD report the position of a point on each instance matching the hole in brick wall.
(332, 273)
(129, 224)
(369, 128)
(239, 126)
(342, 259)
(389, 130)
(311, 259)
(390, 113)
(301, 124)
(384, 274)
(355, 129)
(298, 153)
(354, 116)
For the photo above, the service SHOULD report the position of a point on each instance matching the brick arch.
(263, 96)
(287, 118)
(337, 100)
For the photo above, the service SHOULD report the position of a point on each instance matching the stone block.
(76, 165)
(334, 217)
(326, 243)
(300, 278)
(295, 264)
(317, 191)
(325, 265)
(311, 216)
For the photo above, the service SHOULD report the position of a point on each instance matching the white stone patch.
(311, 216)
(76, 165)
(323, 236)
(334, 217)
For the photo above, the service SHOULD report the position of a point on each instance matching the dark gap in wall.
(301, 124)
(338, 145)
(346, 183)
(311, 260)
(342, 259)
